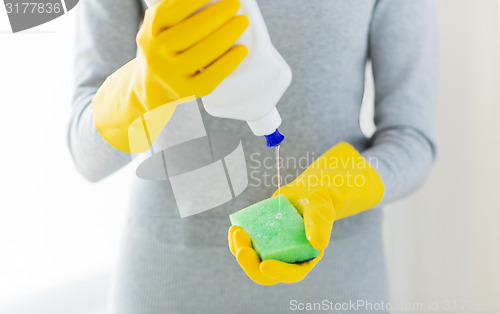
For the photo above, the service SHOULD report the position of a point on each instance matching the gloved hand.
(268, 272)
(182, 56)
(339, 184)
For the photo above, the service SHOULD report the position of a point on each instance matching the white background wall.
(56, 230)
(444, 241)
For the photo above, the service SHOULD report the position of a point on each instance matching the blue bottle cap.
(274, 138)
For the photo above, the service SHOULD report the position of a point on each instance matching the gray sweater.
(173, 265)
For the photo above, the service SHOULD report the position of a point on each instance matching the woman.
(173, 265)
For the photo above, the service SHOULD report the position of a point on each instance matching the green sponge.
(276, 233)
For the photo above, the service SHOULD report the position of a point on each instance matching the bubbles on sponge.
(282, 238)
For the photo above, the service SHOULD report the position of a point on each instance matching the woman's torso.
(173, 265)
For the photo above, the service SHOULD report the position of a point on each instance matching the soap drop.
(303, 201)
(279, 215)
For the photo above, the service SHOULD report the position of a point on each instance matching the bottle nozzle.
(274, 138)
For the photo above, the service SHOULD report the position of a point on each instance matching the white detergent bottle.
(254, 88)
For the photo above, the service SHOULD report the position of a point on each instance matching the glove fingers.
(215, 73)
(169, 13)
(317, 212)
(318, 222)
(230, 241)
(241, 239)
(288, 273)
(197, 27)
(214, 46)
(249, 261)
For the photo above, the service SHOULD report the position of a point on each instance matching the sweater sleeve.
(105, 41)
(403, 50)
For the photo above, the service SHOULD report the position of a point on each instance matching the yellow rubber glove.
(183, 55)
(339, 184)
(268, 272)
